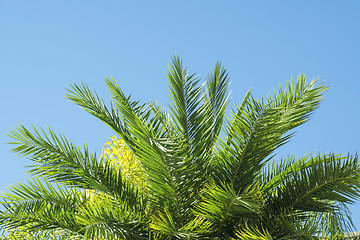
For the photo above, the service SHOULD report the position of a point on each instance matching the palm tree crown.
(190, 173)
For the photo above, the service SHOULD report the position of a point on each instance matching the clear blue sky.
(45, 45)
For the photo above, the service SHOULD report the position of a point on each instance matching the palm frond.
(276, 171)
(57, 158)
(225, 208)
(61, 161)
(215, 102)
(310, 186)
(39, 206)
(259, 127)
(198, 112)
(100, 221)
(165, 227)
(91, 102)
(156, 155)
(185, 96)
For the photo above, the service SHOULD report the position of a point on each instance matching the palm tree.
(190, 173)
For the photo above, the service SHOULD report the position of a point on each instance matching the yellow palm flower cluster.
(123, 159)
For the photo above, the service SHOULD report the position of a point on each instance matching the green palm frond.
(317, 190)
(41, 206)
(287, 225)
(332, 179)
(61, 161)
(275, 172)
(259, 127)
(57, 158)
(165, 228)
(156, 155)
(198, 111)
(224, 207)
(100, 221)
(215, 102)
(332, 223)
(91, 102)
(185, 96)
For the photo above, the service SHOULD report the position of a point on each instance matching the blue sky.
(45, 45)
